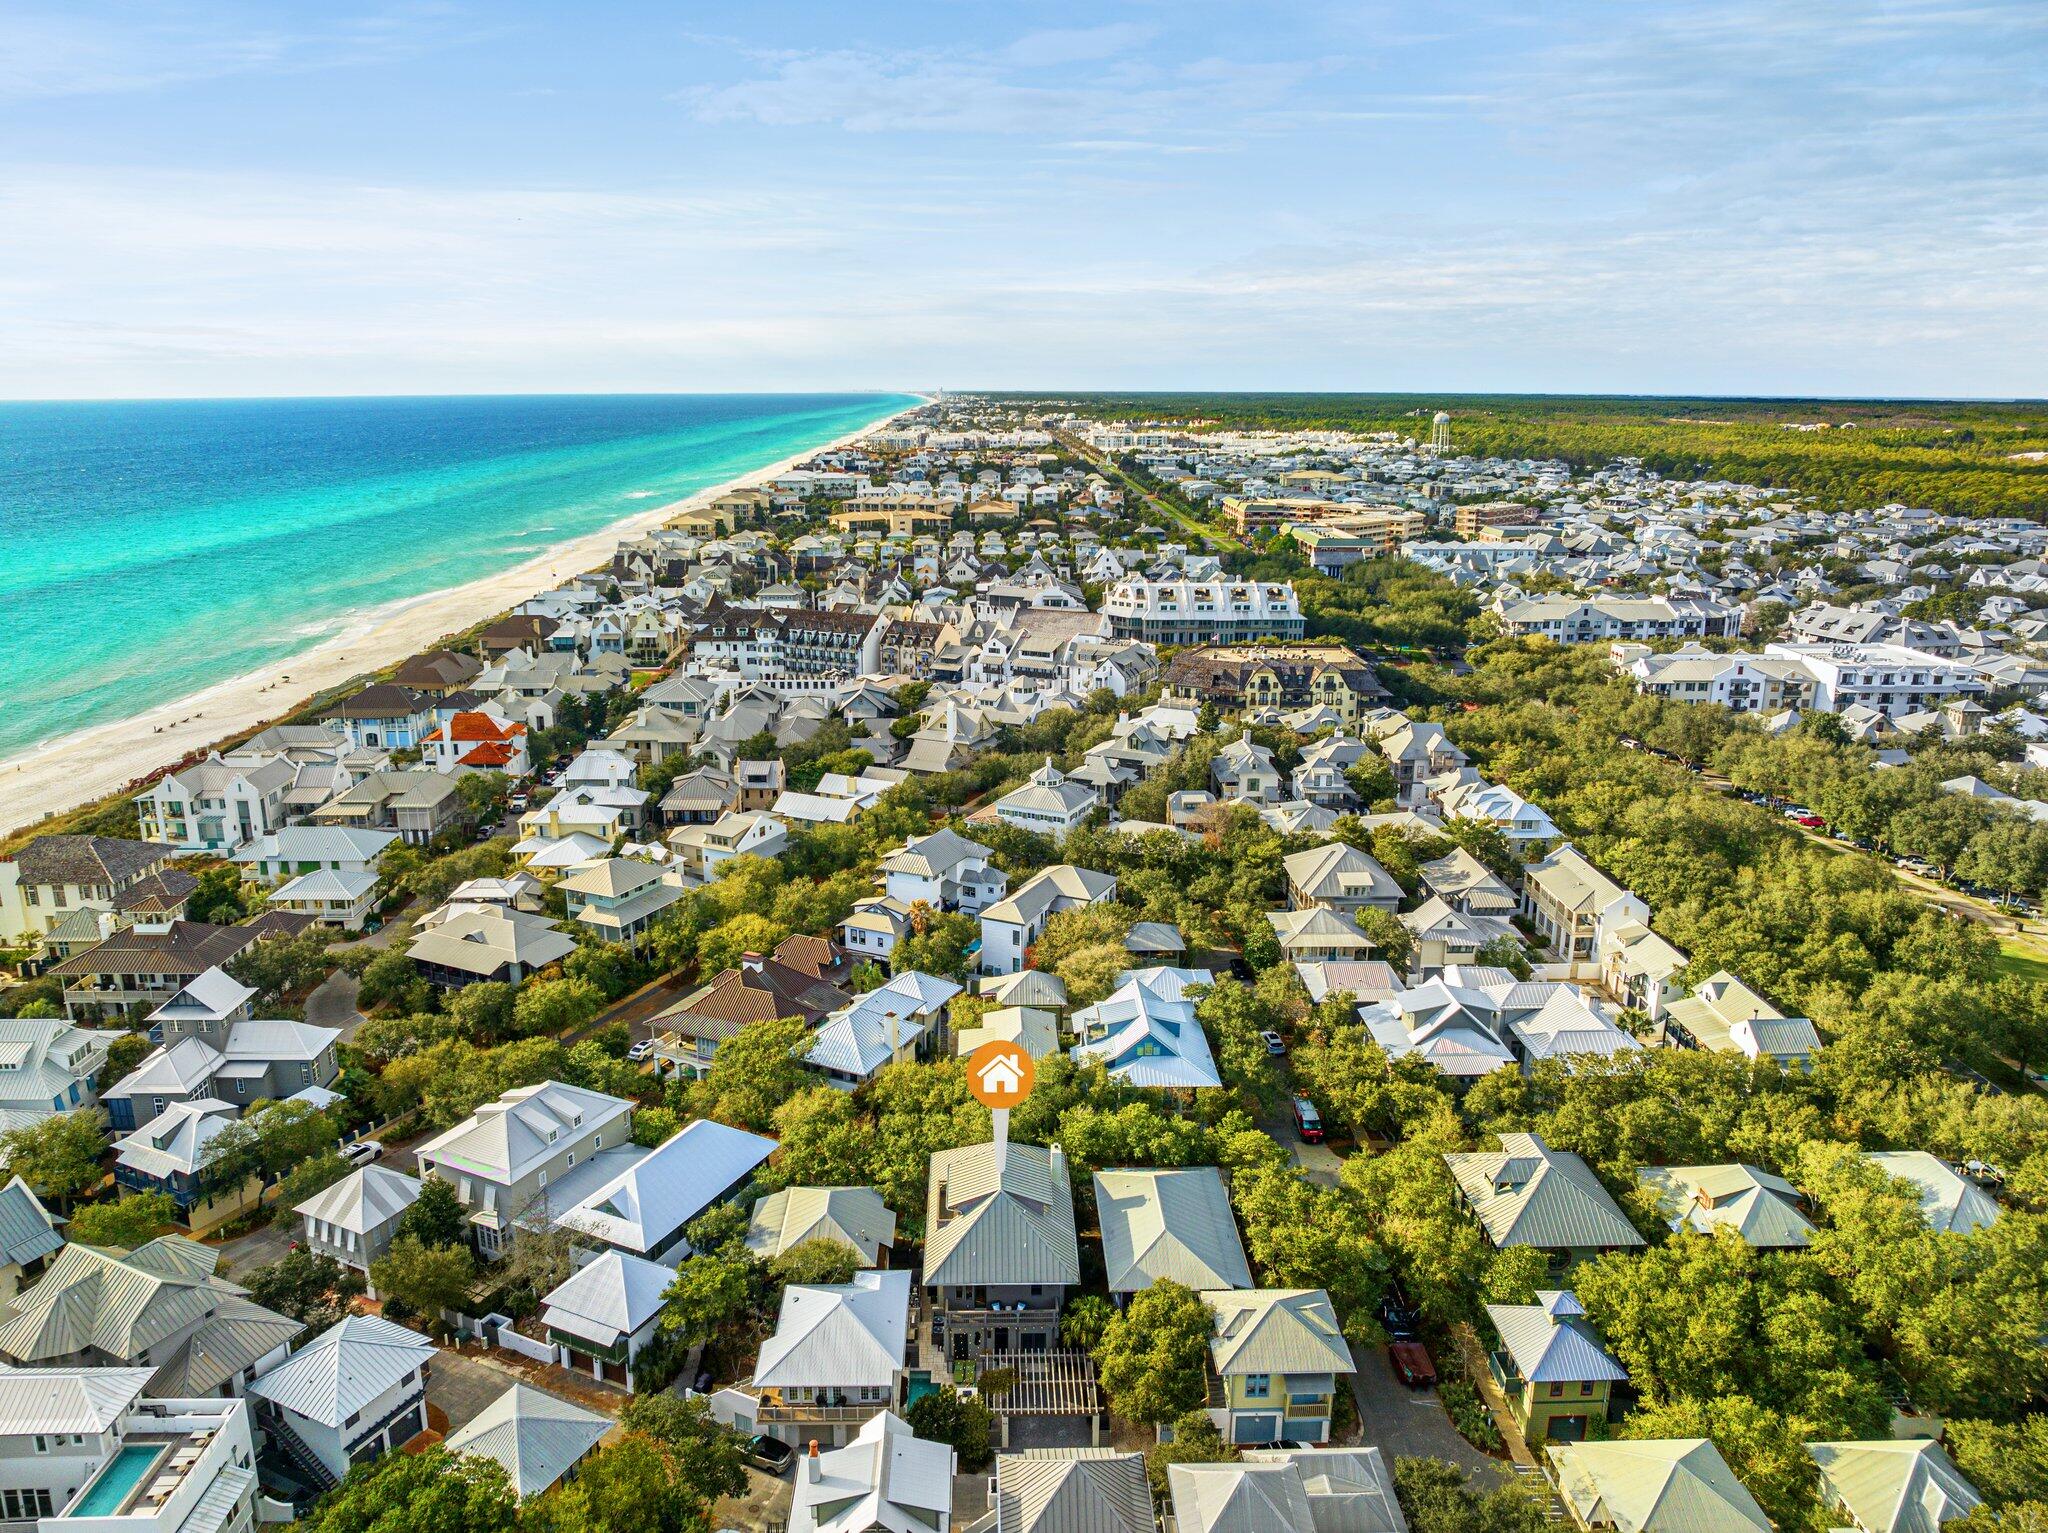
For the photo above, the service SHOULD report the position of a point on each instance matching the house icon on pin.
(999, 1074)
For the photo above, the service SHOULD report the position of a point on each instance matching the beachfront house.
(216, 805)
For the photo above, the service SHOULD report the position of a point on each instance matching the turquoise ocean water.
(151, 549)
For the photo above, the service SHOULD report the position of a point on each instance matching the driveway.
(333, 1004)
(258, 1248)
(461, 1386)
(637, 1010)
(1410, 1423)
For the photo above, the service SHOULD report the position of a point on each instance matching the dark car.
(1399, 1316)
(1307, 1121)
(771, 1455)
(1411, 1364)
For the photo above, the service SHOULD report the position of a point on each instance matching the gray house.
(502, 1157)
(354, 1220)
(1000, 1248)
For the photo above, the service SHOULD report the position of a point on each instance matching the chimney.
(811, 1465)
(750, 963)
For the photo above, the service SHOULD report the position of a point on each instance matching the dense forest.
(1965, 458)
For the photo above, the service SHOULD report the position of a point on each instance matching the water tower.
(1440, 434)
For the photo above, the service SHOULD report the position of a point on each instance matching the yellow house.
(1278, 1354)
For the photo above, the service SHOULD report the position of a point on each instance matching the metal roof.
(1072, 1490)
(617, 1293)
(1277, 1330)
(26, 1232)
(81, 1400)
(1894, 1487)
(641, 1207)
(1763, 1209)
(536, 1436)
(1551, 1344)
(1349, 1489)
(364, 1200)
(989, 1225)
(1527, 1194)
(344, 1369)
(853, 1216)
(887, 1480)
(841, 1335)
(506, 1138)
(1950, 1202)
(1239, 1498)
(1674, 1485)
(1169, 1224)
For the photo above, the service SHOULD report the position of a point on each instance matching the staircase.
(1532, 1480)
(306, 1464)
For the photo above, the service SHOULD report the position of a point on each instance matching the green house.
(1555, 1373)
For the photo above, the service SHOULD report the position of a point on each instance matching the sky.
(1831, 197)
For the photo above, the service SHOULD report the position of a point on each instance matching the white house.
(356, 1391)
(945, 870)
(837, 1350)
(292, 850)
(216, 805)
(1009, 927)
(887, 1477)
(87, 1446)
(1049, 803)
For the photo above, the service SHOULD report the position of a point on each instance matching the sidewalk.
(1482, 1379)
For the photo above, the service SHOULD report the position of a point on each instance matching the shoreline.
(71, 771)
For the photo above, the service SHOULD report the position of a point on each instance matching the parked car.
(1810, 821)
(643, 1050)
(1411, 1363)
(1398, 1315)
(1274, 1043)
(770, 1455)
(363, 1152)
(1795, 812)
(517, 803)
(1307, 1121)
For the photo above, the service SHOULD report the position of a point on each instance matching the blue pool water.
(123, 1473)
(149, 549)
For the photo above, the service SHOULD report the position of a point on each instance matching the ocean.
(150, 549)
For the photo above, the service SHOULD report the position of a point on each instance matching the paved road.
(259, 1248)
(333, 1004)
(1410, 1423)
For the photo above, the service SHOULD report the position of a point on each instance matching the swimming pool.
(125, 1470)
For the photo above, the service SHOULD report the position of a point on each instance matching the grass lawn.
(2023, 960)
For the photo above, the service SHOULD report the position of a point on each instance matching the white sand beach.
(90, 764)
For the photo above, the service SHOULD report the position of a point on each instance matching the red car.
(1411, 1364)
(1812, 822)
(1307, 1121)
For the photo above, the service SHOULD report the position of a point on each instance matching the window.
(1258, 1386)
(1556, 1390)
(1585, 1386)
